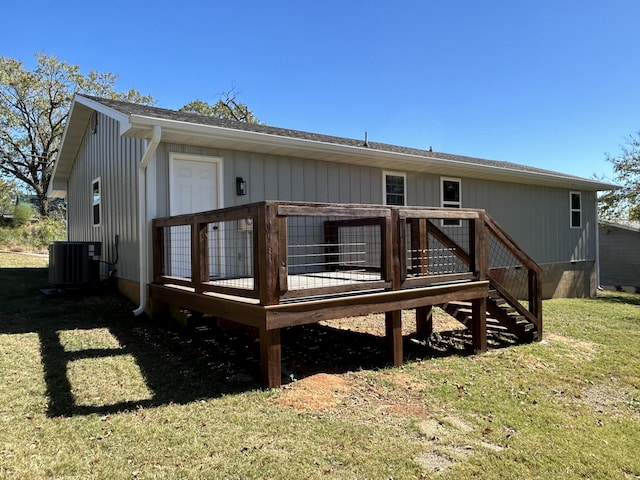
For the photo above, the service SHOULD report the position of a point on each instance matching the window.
(576, 209)
(394, 188)
(96, 199)
(451, 198)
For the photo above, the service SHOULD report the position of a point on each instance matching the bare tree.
(227, 107)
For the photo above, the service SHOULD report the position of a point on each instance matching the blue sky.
(552, 84)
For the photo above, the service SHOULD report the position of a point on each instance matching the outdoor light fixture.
(241, 186)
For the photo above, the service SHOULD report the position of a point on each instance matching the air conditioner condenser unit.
(74, 264)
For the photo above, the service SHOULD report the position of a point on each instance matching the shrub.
(47, 230)
(22, 214)
(33, 236)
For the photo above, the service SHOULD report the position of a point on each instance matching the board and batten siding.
(277, 178)
(537, 217)
(619, 256)
(113, 159)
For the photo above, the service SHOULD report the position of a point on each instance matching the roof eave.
(223, 137)
(79, 113)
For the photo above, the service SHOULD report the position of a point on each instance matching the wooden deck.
(272, 265)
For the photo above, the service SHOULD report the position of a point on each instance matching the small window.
(394, 188)
(96, 198)
(451, 198)
(576, 209)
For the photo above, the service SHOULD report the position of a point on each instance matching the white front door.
(194, 186)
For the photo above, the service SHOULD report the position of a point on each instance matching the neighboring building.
(620, 254)
(114, 153)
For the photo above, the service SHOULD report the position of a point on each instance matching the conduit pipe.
(142, 216)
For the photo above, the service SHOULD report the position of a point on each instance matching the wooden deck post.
(424, 321)
(393, 327)
(392, 247)
(479, 324)
(199, 254)
(270, 358)
(158, 239)
(268, 259)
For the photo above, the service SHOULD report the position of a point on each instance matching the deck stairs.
(512, 276)
(501, 317)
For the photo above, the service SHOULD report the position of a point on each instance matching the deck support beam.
(270, 358)
(393, 327)
(479, 324)
(424, 321)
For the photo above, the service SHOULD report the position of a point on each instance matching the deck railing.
(276, 252)
(514, 274)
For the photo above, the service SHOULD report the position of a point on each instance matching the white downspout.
(142, 216)
(598, 286)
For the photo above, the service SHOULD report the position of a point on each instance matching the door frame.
(218, 161)
(173, 156)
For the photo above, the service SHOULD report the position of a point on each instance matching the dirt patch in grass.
(582, 350)
(388, 397)
(611, 399)
(317, 393)
(353, 394)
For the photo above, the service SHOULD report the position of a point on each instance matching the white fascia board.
(64, 155)
(72, 137)
(630, 226)
(121, 118)
(346, 154)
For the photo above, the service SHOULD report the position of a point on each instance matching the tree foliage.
(625, 202)
(22, 214)
(8, 192)
(227, 107)
(34, 106)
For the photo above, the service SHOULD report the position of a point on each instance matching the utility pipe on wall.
(142, 216)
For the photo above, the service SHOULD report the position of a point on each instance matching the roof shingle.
(127, 108)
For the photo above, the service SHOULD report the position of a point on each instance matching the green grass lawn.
(89, 391)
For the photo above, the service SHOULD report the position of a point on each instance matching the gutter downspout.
(142, 216)
(598, 286)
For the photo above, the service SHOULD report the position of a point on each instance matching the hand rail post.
(158, 242)
(479, 239)
(269, 243)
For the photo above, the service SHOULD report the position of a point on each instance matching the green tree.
(624, 202)
(34, 105)
(227, 107)
(8, 192)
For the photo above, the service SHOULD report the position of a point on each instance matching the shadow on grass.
(617, 297)
(176, 364)
(315, 348)
(182, 365)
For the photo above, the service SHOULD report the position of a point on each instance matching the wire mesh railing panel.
(327, 252)
(430, 256)
(177, 251)
(230, 254)
(506, 269)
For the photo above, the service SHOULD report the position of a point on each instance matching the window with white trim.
(450, 197)
(575, 199)
(96, 202)
(394, 188)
